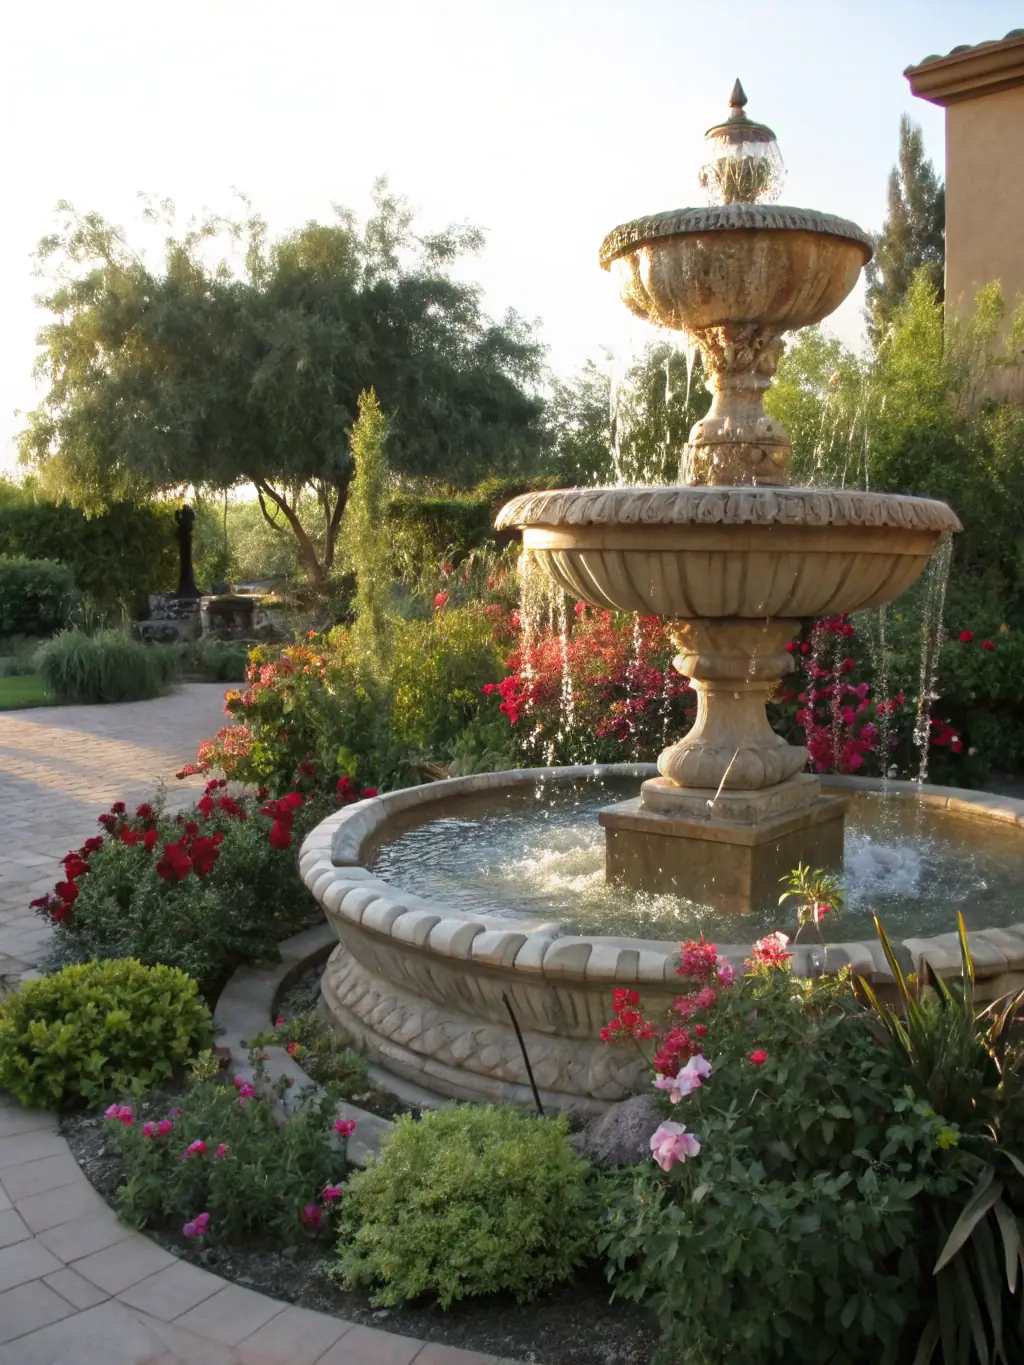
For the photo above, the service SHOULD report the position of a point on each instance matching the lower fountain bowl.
(686, 553)
(426, 988)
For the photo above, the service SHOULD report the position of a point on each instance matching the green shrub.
(116, 556)
(36, 596)
(467, 1201)
(205, 891)
(800, 1231)
(106, 667)
(256, 1180)
(217, 660)
(97, 1029)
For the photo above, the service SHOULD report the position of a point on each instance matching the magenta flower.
(346, 1127)
(758, 1056)
(331, 1192)
(112, 1112)
(164, 1127)
(125, 1115)
(197, 1226)
(196, 1148)
(672, 1143)
(222, 1149)
(726, 972)
(313, 1215)
(149, 1129)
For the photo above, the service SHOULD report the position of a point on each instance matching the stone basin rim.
(332, 855)
(656, 227)
(727, 505)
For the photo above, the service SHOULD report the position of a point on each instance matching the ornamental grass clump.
(467, 1201)
(217, 1167)
(106, 667)
(96, 1029)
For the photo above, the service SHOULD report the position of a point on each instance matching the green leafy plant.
(783, 1221)
(816, 893)
(467, 1201)
(106, 667)
(206, 890)
(967, 1063)
(96, 1029)
(36, 596)
(221, 1169)
(321, 1052)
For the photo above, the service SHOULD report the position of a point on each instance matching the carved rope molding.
(757, 217)
(739, 506)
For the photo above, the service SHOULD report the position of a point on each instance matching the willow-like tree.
(214, 374)
(913, 237)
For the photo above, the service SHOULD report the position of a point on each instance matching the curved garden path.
(76, 1286)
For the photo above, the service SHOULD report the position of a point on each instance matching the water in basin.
(539, 851)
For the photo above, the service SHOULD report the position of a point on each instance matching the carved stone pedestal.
(729, 863)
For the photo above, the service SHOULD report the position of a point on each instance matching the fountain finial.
(744, 165)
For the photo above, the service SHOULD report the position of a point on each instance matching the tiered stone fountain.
(734, 557)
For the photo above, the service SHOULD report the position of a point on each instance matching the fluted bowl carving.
(699, 553)
(737, 264)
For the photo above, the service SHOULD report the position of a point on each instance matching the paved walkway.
(77, 1287)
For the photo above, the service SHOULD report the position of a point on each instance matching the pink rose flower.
(164, 1127)
(346, 1127)
(687, 1081)
(196, 1148)
(149, 1129)
(222, 1149)
(313, 1215)
(726, 972)
(758, 1056)
(331, 1192)
(196, 1227)
(672, 1143)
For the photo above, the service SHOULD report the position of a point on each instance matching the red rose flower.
(988, 646)
(280, 835)
(966, 637)
(758, 1056)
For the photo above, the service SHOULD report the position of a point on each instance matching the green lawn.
(18, 693)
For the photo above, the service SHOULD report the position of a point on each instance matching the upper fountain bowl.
(736, 264)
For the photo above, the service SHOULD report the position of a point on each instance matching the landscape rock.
(621, 1136)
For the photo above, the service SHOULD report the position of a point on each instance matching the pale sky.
(547, 122)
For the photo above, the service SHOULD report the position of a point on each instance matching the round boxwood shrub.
(97, 1029)
(468, 1200)
(35, 595)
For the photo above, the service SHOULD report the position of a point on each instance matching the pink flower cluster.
(196, 1227)
(122, 1112)
(246, 1091)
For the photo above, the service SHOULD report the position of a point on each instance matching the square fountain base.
(729, 864)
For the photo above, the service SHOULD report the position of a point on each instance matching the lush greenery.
(326, 709)
(99, 1029)
(116, 555)
(219, 1167)
(36, 595)
(107, 666)
(19, 692)
(825, 1159)
(248, 371)
(913, 237)
(913, 417)
(630, 425)
(204, 890)
(467, 1201)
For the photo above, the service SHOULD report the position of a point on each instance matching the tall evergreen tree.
(913, 235)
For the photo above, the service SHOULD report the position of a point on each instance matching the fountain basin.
(696, 268)
(420, 983)
(747, 552)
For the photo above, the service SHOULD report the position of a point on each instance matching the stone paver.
(77, 1287)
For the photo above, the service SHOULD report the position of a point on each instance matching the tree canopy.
(913, 237)
(213, 374)
(633, 429)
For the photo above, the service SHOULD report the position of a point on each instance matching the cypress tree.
(913, 236)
